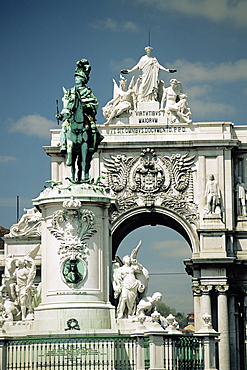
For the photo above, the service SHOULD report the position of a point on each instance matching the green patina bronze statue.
(79, 136)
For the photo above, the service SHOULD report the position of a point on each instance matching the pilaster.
(223, 327)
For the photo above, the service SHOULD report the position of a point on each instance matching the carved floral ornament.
(73, 225)
(150, 180)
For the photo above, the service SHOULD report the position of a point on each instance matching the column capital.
(205, 289)
(196, 290)
(222, 289)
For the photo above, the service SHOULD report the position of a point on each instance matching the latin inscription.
(147, 130)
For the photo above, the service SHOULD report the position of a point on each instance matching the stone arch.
(141, 216)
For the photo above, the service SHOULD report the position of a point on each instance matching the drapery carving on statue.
(29, 224)
(213, 197)
(150, 180)
(17, 293)
(130, 281)
(73, 225)
(148, 85)
(124, 100)
(241, 193)
(176, 108)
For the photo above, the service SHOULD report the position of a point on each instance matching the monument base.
(89, 317)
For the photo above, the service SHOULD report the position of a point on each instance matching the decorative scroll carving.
(73, 226)
(206, 289)
(150, 180)
(29, 224)
(222, 289)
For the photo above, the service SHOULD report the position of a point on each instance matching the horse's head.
(68, 103)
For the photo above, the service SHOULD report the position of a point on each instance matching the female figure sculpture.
(150, 67)
(127, 283)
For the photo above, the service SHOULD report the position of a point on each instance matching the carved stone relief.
(73, 225)
(150, 180)
(29, 224)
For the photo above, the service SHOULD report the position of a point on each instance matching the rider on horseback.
(79, 136)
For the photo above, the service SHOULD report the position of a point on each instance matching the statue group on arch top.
(148, 88)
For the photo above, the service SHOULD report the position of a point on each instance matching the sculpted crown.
(72, 203)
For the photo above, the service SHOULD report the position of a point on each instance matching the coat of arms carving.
(150, 180)
(72, 226)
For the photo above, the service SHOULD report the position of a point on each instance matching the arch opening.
(162, 253)
(161, 217)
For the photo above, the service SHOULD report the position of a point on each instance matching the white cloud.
(214, 10)
(126, 63)
(213, 72)
(171, 248)
(205, 108)
(7, 159)
(33, 125)
(130, 26)
(199, 98)
(203, 81)
(111, 24)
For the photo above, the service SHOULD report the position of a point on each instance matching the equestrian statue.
(79, 136)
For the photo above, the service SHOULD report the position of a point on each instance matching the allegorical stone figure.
(79, 136)
(124, 101)
(241, 197)
(18, 289)
(149, 82)
(146, 305)
(212, 194)
(176, 102)
(127, 284)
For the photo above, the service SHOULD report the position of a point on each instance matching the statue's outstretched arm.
(125, 71)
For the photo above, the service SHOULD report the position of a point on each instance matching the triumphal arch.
(164, 168)
(153, 166)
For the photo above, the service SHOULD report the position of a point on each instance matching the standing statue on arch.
(149, 85)
(79, 136)
(213, 196)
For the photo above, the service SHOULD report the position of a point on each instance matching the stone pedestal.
(76, 258)
(148, 106)
(156, 347)
(241, 223)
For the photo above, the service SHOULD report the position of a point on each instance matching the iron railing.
(101, 353)
(183, 353)
(72, 354)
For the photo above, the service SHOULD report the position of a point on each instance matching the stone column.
(233, 334)
(197, 306)
(223, 327)
(206, 299)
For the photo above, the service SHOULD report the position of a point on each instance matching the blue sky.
(40, 41)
